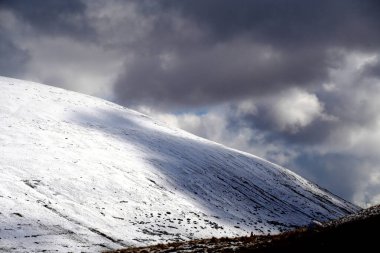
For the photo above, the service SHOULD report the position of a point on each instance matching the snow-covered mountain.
(78, 173)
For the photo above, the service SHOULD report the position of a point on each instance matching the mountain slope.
(82, 174)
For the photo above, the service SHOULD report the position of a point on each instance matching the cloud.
(290, 24)
(191, 54)
(210, 52)
(53, 17)
(214, 74)
(13, 59)
(373, 69)
(72, 65)
(56, 43)
(289, 111)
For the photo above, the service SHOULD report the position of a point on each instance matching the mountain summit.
(79, 173)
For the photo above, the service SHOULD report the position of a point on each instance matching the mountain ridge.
(80, 172)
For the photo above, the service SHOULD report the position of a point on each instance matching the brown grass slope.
(358, 232)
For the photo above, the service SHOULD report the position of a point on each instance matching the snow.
(79, 173)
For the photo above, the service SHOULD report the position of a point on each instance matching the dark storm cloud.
(53, 17)
(220, 49)
(288, 23)
(247, 48)
(213, 75)
(12, 58)
(373, 69)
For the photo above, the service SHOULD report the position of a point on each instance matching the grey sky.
(296, 82)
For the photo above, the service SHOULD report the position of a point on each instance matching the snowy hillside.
(78, 173)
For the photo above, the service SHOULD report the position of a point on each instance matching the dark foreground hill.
(357, 232)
